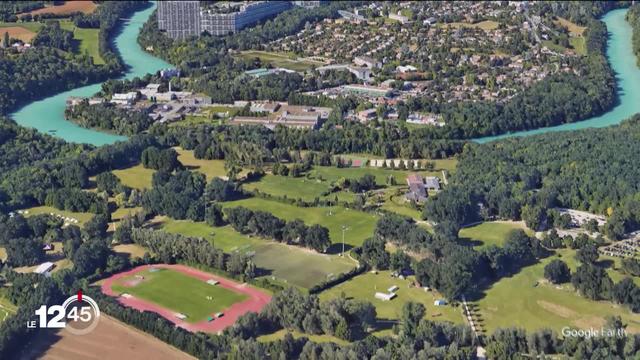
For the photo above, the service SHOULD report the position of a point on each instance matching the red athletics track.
(257, 299)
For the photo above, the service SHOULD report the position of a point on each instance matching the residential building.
(417, 191)
(310, 3)
(182, 19)
(432, 183)
(367, 115)
(367, 61)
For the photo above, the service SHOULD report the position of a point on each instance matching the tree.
(588, 254)
(108, 182)
(557, 272)
(97, 226)
(213, 215)
(400, 261)
(592, 282)
(5, 40)
(317, 238)
(373, 253)
(412, 313)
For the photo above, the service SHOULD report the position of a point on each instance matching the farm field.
(546, 305)
(23, 31)
(279, 60)
(364, 286)
(136, 177)
(361, 224)
(179, 292)
(111, 339)
(81, 217)
(68, 7)
(289, 264)
(490, 233)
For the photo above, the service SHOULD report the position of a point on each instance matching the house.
(385, 296)
(432, 183)
(406, 69)
(44, 268)
(47, 247)
(417, 191)
(367, 61)
(366, 115)
(362, 73)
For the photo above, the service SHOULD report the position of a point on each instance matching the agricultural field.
(280, 60)
(136, 177)
(360, 224)
(363, 287)
(288, 264)
(540, 304)
(68, 7)
(23, 31)
(490, 233)
(178, 292)
(111, 339)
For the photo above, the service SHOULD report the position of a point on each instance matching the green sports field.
(288, 264)
(360, 224)
(180, 293)
(87, 38)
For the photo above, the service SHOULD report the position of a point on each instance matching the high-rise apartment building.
(181, 19)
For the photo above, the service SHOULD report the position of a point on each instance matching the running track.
(257, 299)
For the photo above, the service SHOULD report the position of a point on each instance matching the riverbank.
(47, 115)
(623, 62)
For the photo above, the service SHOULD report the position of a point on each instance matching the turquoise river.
(47, 114)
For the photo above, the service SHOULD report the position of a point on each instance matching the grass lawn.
(180, 293)
(6, 308)
(491, 233)
(279, 335)
(290, 264)
(574, 29)
(88, 39)
(300, 267)
(363, 287)
(361, 224)
(121, 212)
(3, 254)
(131, 251)
(210, 168)
(136, 177)
(396, 203)
(578, 44)
(279, 60)
(515, 301)
(225, 237)
(81, 217)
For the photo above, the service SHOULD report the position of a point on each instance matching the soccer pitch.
(178, 292)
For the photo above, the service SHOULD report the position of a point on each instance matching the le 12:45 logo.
(78, 314)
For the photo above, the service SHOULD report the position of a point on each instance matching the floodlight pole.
(344, 228)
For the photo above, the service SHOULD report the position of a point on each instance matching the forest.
(633, 17)
(526, 177)
(108, 117)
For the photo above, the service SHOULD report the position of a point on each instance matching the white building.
(44, 268)
(124, 98)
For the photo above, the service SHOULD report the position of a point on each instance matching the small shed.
(392, 289)
(213, 282)
(440, 302)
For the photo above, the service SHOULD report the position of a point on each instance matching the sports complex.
(190, 298)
